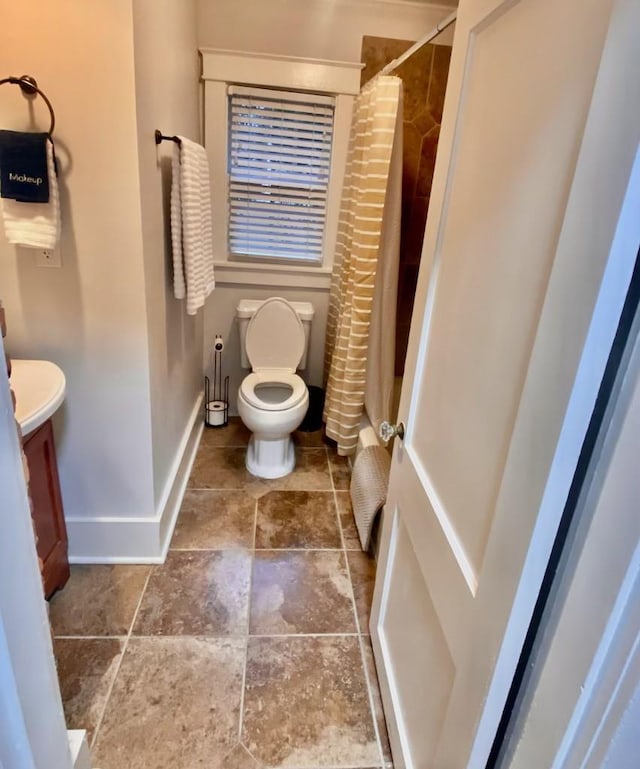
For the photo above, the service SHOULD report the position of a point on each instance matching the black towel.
(23, 167)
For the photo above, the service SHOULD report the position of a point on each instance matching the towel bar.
(29, 87)
(160, 137)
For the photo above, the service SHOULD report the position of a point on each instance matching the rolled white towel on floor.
(369, 484)
(36, 225)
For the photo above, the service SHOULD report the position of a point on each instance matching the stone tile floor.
(248, 648)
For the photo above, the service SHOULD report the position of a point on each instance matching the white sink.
(39, 387)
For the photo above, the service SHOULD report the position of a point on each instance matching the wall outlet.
(48, 257)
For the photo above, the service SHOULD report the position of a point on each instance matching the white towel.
(179, 286)
(35, 224)
(369, 484)
(191, 225)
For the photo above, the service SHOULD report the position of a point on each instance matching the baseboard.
(79, 749)
(139, 539)
(174, 492)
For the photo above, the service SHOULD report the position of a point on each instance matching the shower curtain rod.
(446, 22)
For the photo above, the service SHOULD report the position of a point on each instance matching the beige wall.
(323, 29)
(89, 316)
(167, 72)
(114, 70)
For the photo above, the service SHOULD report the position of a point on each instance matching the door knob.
(387, 431)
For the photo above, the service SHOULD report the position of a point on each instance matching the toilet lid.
(275, 337)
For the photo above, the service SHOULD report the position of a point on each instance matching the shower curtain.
(367, 246)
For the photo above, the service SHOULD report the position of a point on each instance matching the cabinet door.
(47, 507)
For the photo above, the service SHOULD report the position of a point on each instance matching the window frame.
(221, 69)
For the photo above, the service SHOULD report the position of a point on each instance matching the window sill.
(283, 275)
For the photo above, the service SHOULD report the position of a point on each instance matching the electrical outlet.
(48, 257)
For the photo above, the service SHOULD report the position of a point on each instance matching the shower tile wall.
(424, 76)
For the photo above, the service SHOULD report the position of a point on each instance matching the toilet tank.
(244, 313)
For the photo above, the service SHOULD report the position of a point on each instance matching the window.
(279, 162)
(305, 86)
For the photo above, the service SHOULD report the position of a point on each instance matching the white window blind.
(279, 163)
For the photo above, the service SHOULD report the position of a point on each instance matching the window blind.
(279, 163)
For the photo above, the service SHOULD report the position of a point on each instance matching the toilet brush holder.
(216, 398)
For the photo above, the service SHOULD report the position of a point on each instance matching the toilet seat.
(276, 377)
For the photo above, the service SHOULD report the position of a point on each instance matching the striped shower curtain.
(357, 251)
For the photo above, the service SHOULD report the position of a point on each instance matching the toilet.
(273, 399)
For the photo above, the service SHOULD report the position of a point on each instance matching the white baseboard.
(139, 539)
(79, 748)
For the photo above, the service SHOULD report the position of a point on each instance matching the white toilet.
(273, 399)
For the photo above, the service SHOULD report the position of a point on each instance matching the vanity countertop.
(39, 387)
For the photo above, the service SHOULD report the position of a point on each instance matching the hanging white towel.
(191, 225)
(36, 225)
(179, 286)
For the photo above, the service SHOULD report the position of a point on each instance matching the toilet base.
(270, 458)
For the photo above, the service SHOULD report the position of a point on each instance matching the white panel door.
(527, 191)
(586, 670)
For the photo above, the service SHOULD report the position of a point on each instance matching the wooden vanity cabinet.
(48, 513)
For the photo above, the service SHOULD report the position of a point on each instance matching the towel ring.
(29, 87)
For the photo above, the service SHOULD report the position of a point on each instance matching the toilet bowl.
(273, 399)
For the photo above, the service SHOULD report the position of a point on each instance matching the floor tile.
(224, 468)
(176, 700)
(86, 669)
(295, 591)
(372, 677)
(363, 574)
(306, 703)
(215, 520)
(240, 758)
(234, 434)
(175, 705)
(311, 472)
(220, 468)
(340, 471)
(98, 600)
(297, 519)
(197, 593)
(347, 521)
